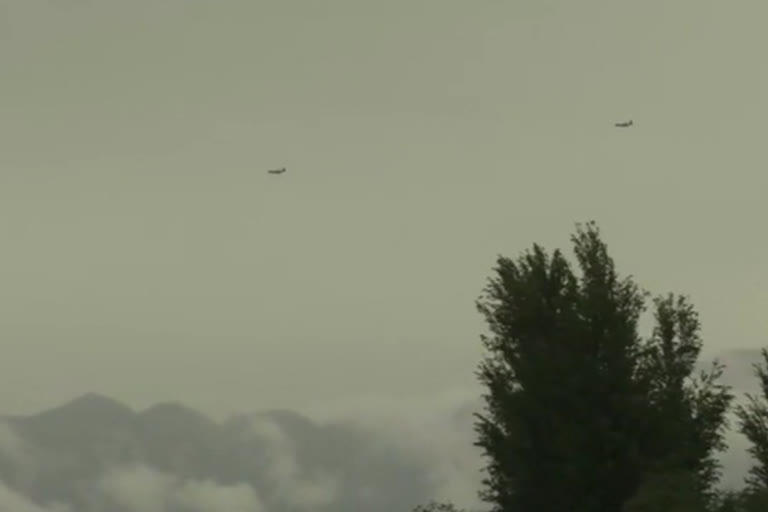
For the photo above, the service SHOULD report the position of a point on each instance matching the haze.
(147, 254)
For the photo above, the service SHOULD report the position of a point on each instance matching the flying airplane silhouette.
(276, 171)
(624, 125)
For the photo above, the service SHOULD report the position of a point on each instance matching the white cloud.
(435, 431)
(142, 489)
(290, 485)
(25, 460)
(137, 488)
(429, 435)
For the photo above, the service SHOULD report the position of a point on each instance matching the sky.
(147, 255)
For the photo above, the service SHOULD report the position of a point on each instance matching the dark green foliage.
(688, 415)
(436, 506)
(754, 500)
(753, 423)
(745, 500)
(579, 410)
(727, 501)
(676, 491)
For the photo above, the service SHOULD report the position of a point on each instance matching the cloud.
(432, 432)
(206, 496)
(11, 445)
(143, 489)
(13, 501)
(137, 488)
(290, 485)
(379, 453)
(18, 456)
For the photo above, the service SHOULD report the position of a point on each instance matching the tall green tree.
(753, 423)
(675, 491)
(688, 414)
(576, 400)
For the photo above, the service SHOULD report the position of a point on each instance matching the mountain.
(95, 455)
(87, 452)
(179, 440)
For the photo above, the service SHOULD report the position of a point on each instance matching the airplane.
(624, 125)
(276, 171)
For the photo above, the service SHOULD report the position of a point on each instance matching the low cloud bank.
(143, 489)
(377, 453)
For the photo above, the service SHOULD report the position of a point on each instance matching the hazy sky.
(146, 254)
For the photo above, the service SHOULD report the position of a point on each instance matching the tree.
(675, 491)
(576, 399)
(688, 414)
(753, 423)
(754, 500)
(748, 499)
(437, 506)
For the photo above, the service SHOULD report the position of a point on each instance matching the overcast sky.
(147, 255)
